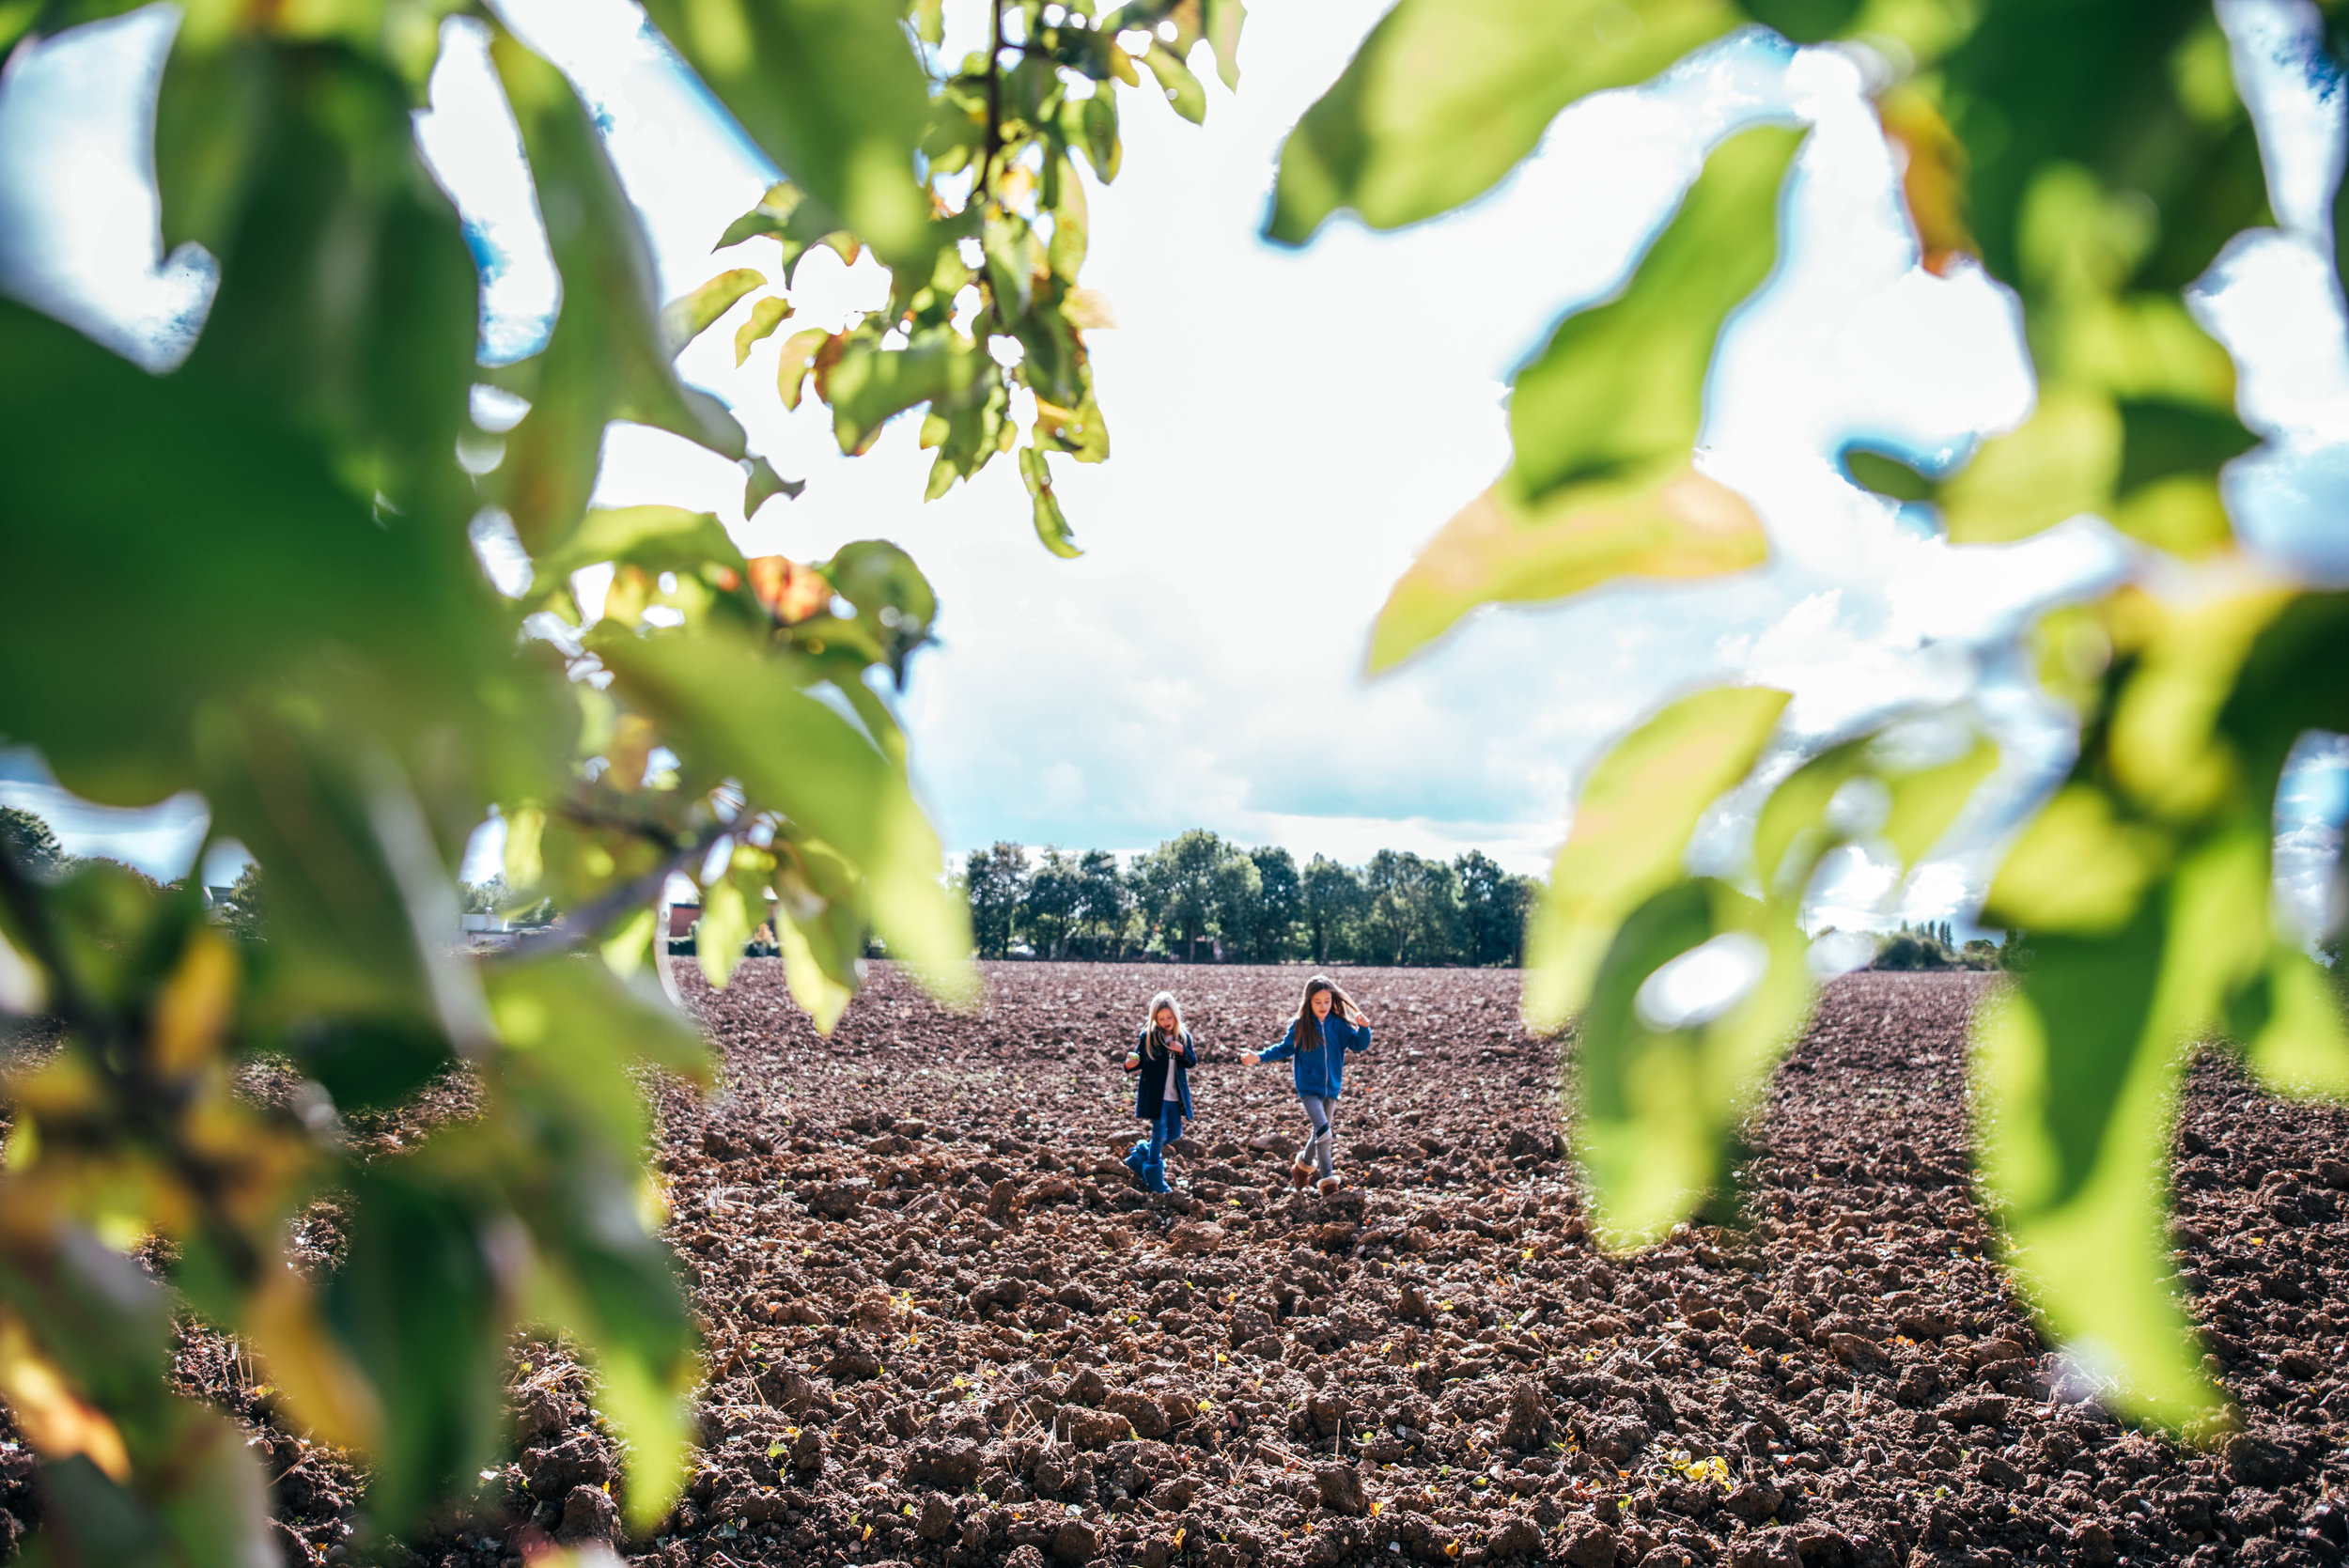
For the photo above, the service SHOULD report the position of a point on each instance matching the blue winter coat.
(1319, 1069)
(1150, 1077)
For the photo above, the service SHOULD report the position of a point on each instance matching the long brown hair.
(1309, 1026)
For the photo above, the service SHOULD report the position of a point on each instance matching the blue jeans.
(1147, 1158)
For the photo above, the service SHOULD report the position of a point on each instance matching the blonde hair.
(1150, 1019)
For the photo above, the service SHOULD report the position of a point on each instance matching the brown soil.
(945, 1329)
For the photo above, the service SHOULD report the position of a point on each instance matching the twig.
(582, 925)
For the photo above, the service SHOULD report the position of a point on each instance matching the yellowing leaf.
(327, 1390)
(1926, 803)
(195, 1007)
(791, 591)
(765, 316)
(687, 317)
(1500, 550)
(2078, 867)
(55, 1420)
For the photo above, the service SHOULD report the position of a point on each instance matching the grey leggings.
(1321, 1110)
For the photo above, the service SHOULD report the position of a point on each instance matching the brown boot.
(1330, 1183)
(1300, 1174)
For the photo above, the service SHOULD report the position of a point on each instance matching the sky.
(1288, 427)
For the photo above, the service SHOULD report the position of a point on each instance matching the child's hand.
(1251, 1058)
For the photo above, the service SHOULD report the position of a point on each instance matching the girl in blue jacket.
(1326, 1026)
(1160, 1062)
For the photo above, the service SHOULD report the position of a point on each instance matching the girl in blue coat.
(1160, 1062)
(1326, 1026)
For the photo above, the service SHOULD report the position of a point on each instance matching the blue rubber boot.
(1138, 1161)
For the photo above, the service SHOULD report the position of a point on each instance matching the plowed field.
(944, 1328)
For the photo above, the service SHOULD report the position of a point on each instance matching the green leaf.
(1446, 96)
(1051, 526)
(1789, 836)
(1657, 1106)
(1926, 801)
(1501, 550)
(658, 539)
(415, 1302)
(724, 928)
(727, 710)
(765, 316)
(2296, 1039)
(690, 315)
(2080, 867)
(832, 90)
(764, 484)
(1071, 226)
(869, 383)
(606, 359)
(1580, 411)
(2081, 1061)
(1182, 89)
(1631, 829)
(1012, 255)
(1224, 18)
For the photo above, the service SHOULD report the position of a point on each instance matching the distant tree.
(1332, 897)
(995, 880)
(26, 840)
(1493, 909)
(1282, 909)
(1105, 902)
(1179, 884)
(1240, 924)
(1049, 908)
(245, 910)
(486, 898)
(1414, 910)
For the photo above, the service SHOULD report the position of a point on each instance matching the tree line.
(1199, 897)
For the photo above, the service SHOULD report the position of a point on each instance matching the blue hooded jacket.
(1319, 1069)
(1150, 1085)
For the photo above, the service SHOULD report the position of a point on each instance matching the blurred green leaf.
(717, 700)
(1632, 823)
(1182, 89)
(832, 90)
(2081, 1063)
(1658, 1104)
(1575, 415)
(764, 484)
(415, 1301)
(1927, 802)
(869, 383)
(2080, 867)
(606, 359)
(1225, 19)
(657, 539)
(1446, 96)
(1804, 21)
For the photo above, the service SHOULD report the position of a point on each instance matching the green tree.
(1493, 907)
(2093, 157)
(1179, 884)
(1049, 908)
(245, 910)
(1240, 924)
(1332, 896)
(1412, 913)
(996, 883)
(26, 840)
(1281, 908)
(1105, 904)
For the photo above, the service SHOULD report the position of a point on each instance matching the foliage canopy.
(2093, 156)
